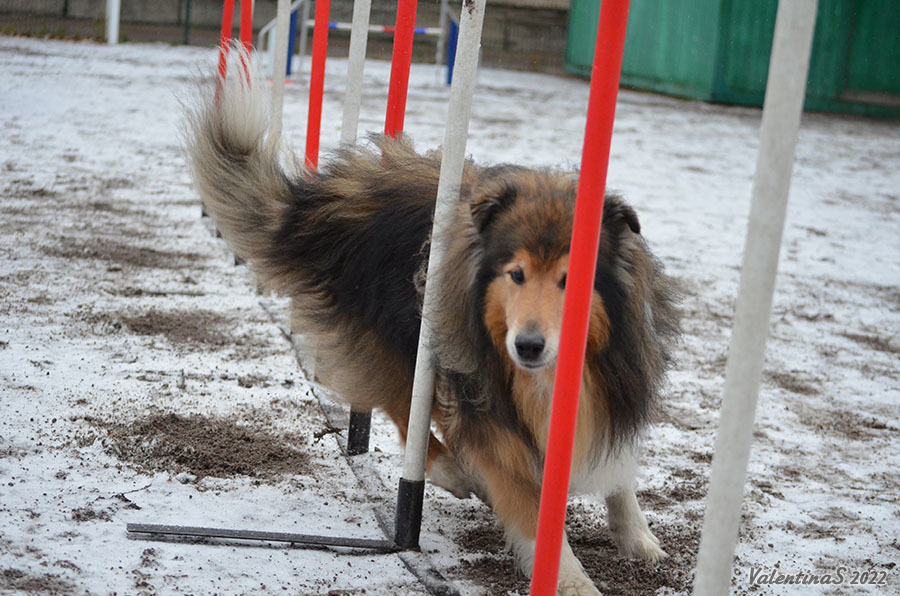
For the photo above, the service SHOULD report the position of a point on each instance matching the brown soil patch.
(791, 382)
(182, 327)
(118, 253)
(846, 424)
(592, 543)
(875, 342)
(495, 569)
(188, 327)
(204, 447)
(84, 514)
(17, 581)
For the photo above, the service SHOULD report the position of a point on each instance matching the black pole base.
(358, 433)
(408, 520)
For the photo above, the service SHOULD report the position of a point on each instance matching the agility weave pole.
(355, 62)
(408, 519)
(245, 32)
(113, 14)
(282, 27)
(782, 110)
(225, 37)
(604, 89)
(317, 83)
(398, 87)
(360, 420)
(401, 58)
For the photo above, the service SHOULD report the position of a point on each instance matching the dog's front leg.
(516, 496)
(573, 581)
(629, 527)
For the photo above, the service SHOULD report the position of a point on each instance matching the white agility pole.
(443, 25)
(360, 420)
(359, 35)
(279, 70)
(412, 484)
(113, 12)
(304, 34)
(785, 92)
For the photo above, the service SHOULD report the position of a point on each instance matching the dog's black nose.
(530, 345)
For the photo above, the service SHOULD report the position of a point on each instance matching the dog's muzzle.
(530, 346)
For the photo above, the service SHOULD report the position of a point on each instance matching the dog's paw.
(577, 585)
(446, 473)
(573, 581)
(641, 544)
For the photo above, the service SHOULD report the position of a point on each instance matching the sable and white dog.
(349, 243)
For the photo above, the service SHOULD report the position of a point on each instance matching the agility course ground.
(144, 380)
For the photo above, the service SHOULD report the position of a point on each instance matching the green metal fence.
(718, 50)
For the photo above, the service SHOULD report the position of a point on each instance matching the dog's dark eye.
(517, 276)
(562, 282)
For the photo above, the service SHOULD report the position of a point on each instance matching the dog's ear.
(490, 200)
(616, 213)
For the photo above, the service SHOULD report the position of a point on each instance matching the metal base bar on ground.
(384, 546)
(785, 91)
(412, 485)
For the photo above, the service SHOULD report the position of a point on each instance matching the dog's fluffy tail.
(235, 165)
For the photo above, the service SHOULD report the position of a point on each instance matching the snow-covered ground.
(143, 379)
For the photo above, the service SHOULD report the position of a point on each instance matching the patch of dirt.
(845, 424)
(116, 253)
(16, 581)
(204, 446)
(686, 485)
(189, 327)
(494, 567)
(134, 292)
(792, 382)
(875, 342)
(84, 514)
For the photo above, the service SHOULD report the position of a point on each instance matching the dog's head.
(524, 305)
(525, 221)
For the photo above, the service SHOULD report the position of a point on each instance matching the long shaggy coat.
(349, 244)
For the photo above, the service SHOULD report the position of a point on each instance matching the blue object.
(451, 49)
(291, 37)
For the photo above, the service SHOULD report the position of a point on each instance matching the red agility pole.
(317, 83)
(225, 37)
(404, 31)
(579, 285)
(246, 30)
